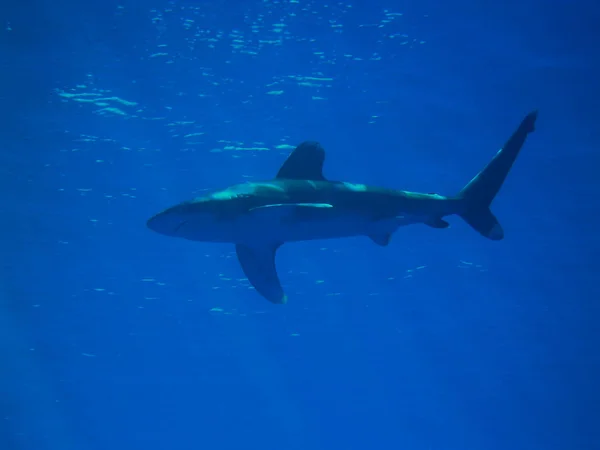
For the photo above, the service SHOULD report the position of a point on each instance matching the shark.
(301, 204)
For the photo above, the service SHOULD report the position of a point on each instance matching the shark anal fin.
(258, 264)
(304, 163)
(437, 223)
(382, 239)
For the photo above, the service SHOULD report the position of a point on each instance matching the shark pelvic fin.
(258, 264)
(382, 239)
(437, 223)
(304, 163)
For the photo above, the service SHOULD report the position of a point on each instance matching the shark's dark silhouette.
(301, 204)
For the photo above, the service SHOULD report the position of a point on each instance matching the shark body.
(300, 204)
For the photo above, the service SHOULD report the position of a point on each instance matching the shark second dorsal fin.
(304, 163)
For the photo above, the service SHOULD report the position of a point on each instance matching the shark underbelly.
(253, 230)
(279, 223)
(311, 230)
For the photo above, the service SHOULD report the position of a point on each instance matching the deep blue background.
(109, 336)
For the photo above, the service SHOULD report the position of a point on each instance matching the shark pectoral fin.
(382, 239)
(258, 265)
(304, 163)
(437, 223)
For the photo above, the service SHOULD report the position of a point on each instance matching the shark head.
(209, 218)
(196, 219)
(217, 216)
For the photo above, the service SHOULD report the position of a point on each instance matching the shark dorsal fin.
(304, 163)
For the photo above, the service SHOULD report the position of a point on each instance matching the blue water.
(113, 337)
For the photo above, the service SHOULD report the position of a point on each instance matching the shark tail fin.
(478, 194)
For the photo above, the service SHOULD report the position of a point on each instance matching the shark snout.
(166, 223)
